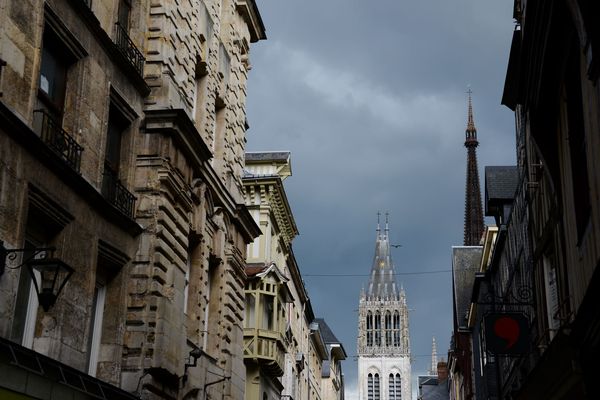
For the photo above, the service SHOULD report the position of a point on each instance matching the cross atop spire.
(471, 131)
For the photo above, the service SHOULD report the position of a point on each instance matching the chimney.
(442, 371)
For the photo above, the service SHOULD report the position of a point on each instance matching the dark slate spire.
(382, 283)
(473, 210)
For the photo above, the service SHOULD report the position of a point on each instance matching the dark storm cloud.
(369, 96)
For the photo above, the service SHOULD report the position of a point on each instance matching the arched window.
(396, 329)
(369, 329)
(376, 391)
(388, 328)
(370, 387)
(377, 329)
(394, 387)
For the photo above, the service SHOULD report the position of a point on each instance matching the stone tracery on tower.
(384, 370)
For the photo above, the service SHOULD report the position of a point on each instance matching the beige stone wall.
(266, 201)
(63, 333)
(182, 158)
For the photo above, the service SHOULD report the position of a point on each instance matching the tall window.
(388, 328)
(377, 328)
(396, 329)
(369, 328)
(53, 75)
(117, 123)
(38, 233)
(96, 326)
(268, 309)
(551, 291)
(250, 311)
(26, 307)
(398, 385)
(391, 388)
(370, 387)
(123, 13)
(376, 388)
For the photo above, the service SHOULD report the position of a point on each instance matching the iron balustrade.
(129, 49)
(58, 140)
(114, 191)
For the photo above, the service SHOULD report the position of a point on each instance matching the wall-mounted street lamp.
(49, 274)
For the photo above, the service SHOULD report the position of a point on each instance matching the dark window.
(376, 391)
(388, 329)
(377, 329)
(369, 329)
(117, 123)
(123, 15)
(53, 74)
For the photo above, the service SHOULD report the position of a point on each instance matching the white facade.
(384, 370)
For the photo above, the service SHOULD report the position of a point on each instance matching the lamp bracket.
(11, 255)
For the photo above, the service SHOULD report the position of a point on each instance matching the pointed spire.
(434, 361)
(382, 283)
(473, 229)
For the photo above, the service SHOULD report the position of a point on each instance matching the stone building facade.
(552, 86)
(384, 370)
(540, 268)
(122, 127)
(302, 350)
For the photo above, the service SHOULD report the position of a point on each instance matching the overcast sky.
(369, 96)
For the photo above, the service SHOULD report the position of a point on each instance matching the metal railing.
(59, 141)
(129, 49)
(114, 191)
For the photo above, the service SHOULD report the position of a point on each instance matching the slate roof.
(382, 282)
(431, 389)
(328, 336)
(268, 156)
(501, 182)
(466, 261)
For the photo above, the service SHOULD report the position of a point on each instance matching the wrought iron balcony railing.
(114, 191)
(128, 49)
(59, 141)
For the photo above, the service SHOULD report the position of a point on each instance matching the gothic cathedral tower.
(384, 371)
